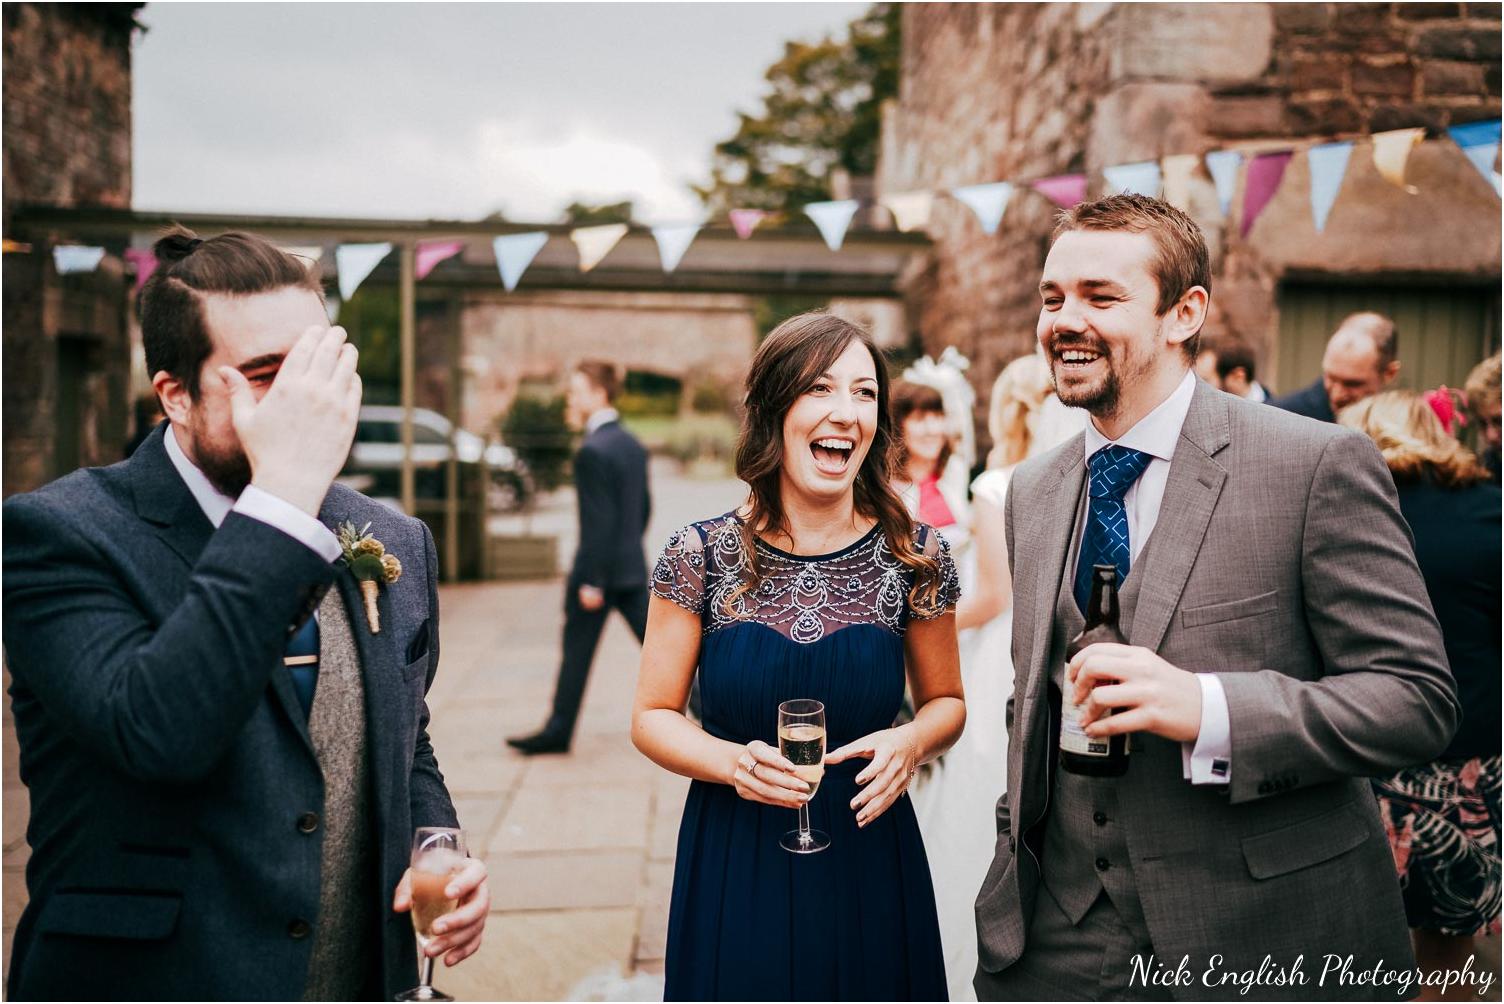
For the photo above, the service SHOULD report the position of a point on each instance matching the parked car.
(375, 463)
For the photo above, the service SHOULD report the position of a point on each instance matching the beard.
(1101, 397)
(225, 465)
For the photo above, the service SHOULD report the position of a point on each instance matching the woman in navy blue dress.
(819, 587)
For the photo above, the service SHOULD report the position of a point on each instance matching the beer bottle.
(1080, 753)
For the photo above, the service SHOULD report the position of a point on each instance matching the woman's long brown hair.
(789, 362)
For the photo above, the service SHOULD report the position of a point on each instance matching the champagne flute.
(438, 854)
(801, 740)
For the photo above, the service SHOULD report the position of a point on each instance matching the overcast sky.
(448, 111)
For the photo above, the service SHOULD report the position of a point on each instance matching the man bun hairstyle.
(1181, 260)
(173, 331)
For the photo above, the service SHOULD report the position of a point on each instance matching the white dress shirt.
(600, 418)
(1256, 393)
(253, 502)
(1209, 759)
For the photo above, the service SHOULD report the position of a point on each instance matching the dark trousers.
(582, 633)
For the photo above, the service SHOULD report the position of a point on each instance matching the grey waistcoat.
(1084, 829)
(345, 953)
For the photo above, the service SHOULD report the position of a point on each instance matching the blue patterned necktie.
(1113, 470)
(301, 657)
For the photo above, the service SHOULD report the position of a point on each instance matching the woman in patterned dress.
(1443, 816)
(819, 587)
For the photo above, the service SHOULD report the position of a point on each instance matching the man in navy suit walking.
(226, 758)
(609, 572)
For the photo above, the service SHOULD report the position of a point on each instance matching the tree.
(824, 110)
(580, 214)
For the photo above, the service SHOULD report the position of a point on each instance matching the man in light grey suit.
(1281, 650)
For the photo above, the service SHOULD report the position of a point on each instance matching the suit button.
(1103, 864)
(308, 822)
(1100, 818)
(298, 929)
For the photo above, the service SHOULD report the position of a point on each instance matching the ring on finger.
(753, 769)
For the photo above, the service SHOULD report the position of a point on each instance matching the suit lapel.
(1059, 504)
(380, 669)
(1191, 494)
(164, 501)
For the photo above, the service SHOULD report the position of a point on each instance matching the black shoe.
(541, 742)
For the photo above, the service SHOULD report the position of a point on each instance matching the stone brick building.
(67, 141)
(1022, 91)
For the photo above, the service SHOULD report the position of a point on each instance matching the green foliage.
(372, 317)
(823, 110)
(647, 393)
(772, 310)
(536, 428)
(580, 214)
(689, 438)
(711, 397)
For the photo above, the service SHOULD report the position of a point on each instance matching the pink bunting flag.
(1065, 190)
(145, 262)
(430, 253)
(744, 221)
(1260, 182)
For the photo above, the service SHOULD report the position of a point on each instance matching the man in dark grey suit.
(609, 572)
(1281, 650)
(226, 759)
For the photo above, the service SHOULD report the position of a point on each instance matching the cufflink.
(1219, 767)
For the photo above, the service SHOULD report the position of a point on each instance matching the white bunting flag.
(1142, 178)
(331, 307)
(70, 258)
(986, 201)
(673, 240)
(911, 210)
(514, 253)
(355, 262)
(595, 243)
(1177, 172)
(832, 219)
(313, 252)
(1391, 150)
(1328, 167)
(1223, 166)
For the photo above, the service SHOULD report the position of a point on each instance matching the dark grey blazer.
(611, 482)
(1280, 561)
(167, 757)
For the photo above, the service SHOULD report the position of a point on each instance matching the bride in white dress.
(955, 803)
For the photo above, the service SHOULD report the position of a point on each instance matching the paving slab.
(579, 880)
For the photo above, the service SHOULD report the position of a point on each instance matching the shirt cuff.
(1209, 759)
(262, 505)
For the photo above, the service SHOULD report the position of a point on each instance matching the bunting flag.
(832, 219)
(911, 210)
(313, 252)
(1264, 174)
(744, 221)
(1065, 190)
(514, 253)
(1328, 167)
(71, 258)
(331, 307)
(1142, 178)
(594, 243)
(1480, 142)
(145, 262)
(355, 262)
(1178, 170)
(1390, 152)
(673, 240)
(987, 202)
(1223, 166)
(430, 253)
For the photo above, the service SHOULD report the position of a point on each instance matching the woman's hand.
(895, 757)
(761, 774)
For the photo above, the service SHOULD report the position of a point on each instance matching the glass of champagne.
(801, 740)
(438, 854)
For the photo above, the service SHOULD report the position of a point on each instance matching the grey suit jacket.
(1281, 562)
(175, 796)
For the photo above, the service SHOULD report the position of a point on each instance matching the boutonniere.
(370, 564)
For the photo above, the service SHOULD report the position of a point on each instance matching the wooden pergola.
(789, 259)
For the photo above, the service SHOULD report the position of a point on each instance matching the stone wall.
(1022, 91)
(67, 142)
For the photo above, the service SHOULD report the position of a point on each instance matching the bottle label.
(1073, 739)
